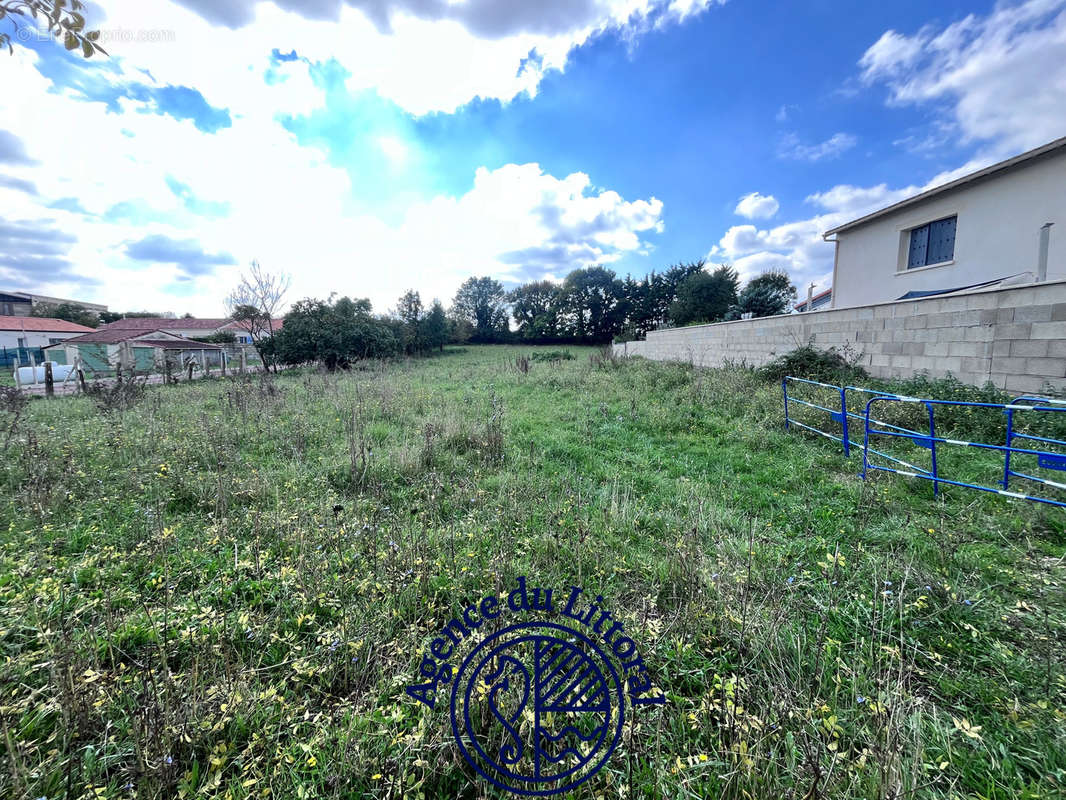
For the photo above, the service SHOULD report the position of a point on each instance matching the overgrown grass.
(223, 589)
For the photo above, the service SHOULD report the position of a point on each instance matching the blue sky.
(417, 143)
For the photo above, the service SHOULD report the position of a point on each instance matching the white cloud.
(792, 147)
(757, 206)
(425, 55)
(287, 205)
(288, 208)
(1000, 78)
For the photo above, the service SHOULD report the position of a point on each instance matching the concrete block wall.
(1014, 337)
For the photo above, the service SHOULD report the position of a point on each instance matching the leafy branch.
(62, 18)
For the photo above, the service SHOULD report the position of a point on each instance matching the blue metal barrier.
(873, 427)
(1048, 460)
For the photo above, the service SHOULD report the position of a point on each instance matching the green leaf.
(70, 41)
(92, 36)
(77, 23)
(87, 48)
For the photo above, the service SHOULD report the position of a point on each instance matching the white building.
(37, 331)
(987, 228)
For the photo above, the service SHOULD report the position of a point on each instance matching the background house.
(818, 301)
(21, 304)
(100, 350)
(984, 229)
(187, 328)
(33, 332)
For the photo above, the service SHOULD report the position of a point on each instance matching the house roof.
(41, 325)
(973, 177)
(815, 298)
(108, 336)
(275, 325)
(164, 324)
(156, 338)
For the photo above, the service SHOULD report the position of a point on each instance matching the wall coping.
(807, 315)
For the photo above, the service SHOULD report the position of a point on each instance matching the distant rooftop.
(160, 323)
(41, 325)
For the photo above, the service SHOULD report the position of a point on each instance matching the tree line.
(591, 306)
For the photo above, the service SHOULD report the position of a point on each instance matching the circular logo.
(537, 708)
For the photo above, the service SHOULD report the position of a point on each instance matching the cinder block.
(1040, 313)
(1017, 330)
(1034, 348)
(938, 349)
(1023, 383)
(963, 349)
(1048, 330)
(1051, 367)
(1058, 312)
(915, 323)
(976, 364)
(913, 348)
(1056, 348)
(1001, 347)
(1010, 365)
(1005, 316)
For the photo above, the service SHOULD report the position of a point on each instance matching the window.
(22, 341)
(932, 244)
(53, 340)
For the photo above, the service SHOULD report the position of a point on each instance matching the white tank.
(32, 375)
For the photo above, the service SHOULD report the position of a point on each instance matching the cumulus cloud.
(757, 206)
(999, 79)
(31, 252)
(791, 147)
(12, 151)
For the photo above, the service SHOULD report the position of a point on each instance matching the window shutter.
(919, 247)
(941, 241)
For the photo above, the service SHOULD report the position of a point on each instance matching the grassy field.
(223, 590)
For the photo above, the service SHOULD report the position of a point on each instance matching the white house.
(37, 331)
(1004, 224)
(186, 327)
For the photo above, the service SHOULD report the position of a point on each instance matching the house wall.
(996, 235)
(1015, 338)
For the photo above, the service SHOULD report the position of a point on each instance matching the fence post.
(81, 374)
(244, 360)
(932, 449)
(222, 361)
(843, 413)
(784, 389)
(18, 378)
(49, 381)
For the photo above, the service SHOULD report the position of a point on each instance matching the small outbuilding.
(105, 349)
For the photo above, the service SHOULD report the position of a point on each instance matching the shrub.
(829, 366)
(552, 355)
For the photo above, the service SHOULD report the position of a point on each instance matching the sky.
(366, 147)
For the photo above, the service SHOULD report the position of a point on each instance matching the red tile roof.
(41, 325)
(106, 336)
(166, 324)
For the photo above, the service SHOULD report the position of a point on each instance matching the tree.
(256, 302)
(107, 317)
(409, 311)
(705, 297)
(593, 304)
(480, 301)
(535, 307)
(766, 295)
(62, 18)
(435, 327)
(335, 334)
(71, 312)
